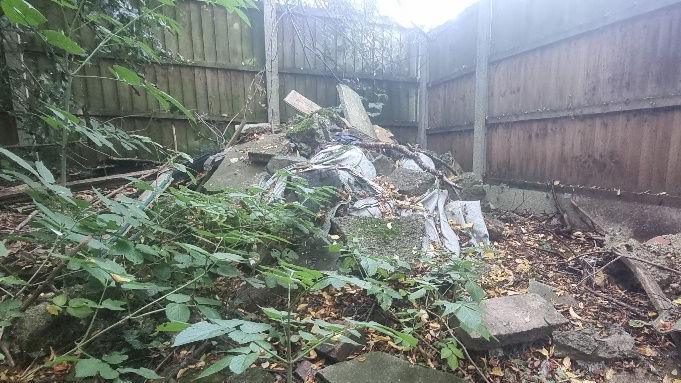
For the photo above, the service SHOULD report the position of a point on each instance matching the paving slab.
(551, 294)
(351, 104)
(588, 344)
(379, 367)
(383, 237)
(514, 319)
(301, 103)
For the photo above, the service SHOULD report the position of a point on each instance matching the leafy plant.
(76, 34)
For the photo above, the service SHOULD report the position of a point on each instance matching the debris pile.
(375, 178)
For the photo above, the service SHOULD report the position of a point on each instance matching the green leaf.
(172, 326)
(216, 367)
(126, 75)
(254, 327)
(207, 301)
(112, 304)
(179, 298)
(3, 250)
(475, 291)
(11, 280)
(19, 161)
(200, 331)
(59, 300)
(86, 368)
(177, 312)
(240, 363)
(243, 338)
(22, 13)
(45, 174)
(143, 372)
(60, 40)
(209, 312)
(115, 358)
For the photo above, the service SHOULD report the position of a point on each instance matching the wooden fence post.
(14, 60)
(482, 87)
(422, 110)
(271, 61)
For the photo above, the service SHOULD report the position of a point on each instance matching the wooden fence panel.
(219, 57)
(590, 96)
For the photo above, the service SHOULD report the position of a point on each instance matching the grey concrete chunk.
(340, 351)
(279, 162)
(384, 165)
(259, 128)
(383, 237)
(411, 182)
(588, 345)
(354, 111)
(237, 171)
(514, 319)
(379, 367)
(551, 294)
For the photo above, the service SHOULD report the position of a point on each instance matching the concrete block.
(514, 319)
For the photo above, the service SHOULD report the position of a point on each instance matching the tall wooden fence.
(583, 92)
(220, 57)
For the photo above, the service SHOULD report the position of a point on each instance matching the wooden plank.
(210, 54)
(198, 53)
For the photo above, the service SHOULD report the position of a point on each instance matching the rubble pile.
(406, 203)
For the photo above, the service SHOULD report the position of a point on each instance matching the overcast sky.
(422, 13)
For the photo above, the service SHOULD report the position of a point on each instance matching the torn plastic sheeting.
(437, 224)
(347, 157)
(409, 163)
(352, 167)
(469, 212)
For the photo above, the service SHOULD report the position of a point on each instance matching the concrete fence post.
(482, 87)
(271, 61)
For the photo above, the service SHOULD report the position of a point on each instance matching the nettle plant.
(75, 35)
(133, 273)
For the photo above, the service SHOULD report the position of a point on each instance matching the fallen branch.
(616, 301)
(659, 266)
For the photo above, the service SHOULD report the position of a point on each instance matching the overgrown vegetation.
(126, 280)
(133, 277)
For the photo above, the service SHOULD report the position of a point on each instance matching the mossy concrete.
(383, 237)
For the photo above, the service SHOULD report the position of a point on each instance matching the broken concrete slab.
(551, 294)
(588, 345)
(411, 182)
(383, 237)
(236, 169)
(251, 375)
(379, 367)
(301, 103)
(340, 351)
(472, 189)
(280, 161)
(306, 370)
(514, 319)
(259, 128)
(631, 219)
(354, 111)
